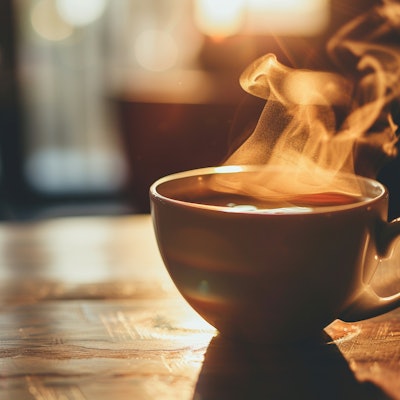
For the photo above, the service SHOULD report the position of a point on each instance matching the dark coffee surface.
(306, 201)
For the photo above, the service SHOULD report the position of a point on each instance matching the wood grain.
(87, 311)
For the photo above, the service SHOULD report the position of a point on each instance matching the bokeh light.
(156, 50)
(47, 23)
(80, 12)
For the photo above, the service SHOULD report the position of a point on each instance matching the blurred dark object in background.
(183, 122)
(12, 182)
(163, 138)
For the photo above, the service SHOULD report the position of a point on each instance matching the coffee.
(294, 204)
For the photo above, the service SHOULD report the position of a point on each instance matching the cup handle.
(368, 303)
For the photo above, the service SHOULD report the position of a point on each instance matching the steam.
(316, 125)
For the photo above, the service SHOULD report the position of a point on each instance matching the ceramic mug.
(272, 276)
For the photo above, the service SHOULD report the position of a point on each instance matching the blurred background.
(99, 98)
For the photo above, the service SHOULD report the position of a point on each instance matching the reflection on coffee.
(296, 204)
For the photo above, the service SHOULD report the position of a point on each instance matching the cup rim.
(227, 169)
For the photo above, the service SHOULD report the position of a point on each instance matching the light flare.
(223, 18)
(219, 18)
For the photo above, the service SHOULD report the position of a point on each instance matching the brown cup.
(273, 277)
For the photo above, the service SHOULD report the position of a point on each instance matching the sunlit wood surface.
(89, 312)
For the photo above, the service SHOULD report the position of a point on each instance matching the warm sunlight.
(219, 18)
(287, 17)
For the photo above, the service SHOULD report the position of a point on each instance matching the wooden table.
(89, 312)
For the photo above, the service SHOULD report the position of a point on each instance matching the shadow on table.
(303, 371)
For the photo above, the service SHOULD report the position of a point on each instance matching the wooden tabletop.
(89, 312)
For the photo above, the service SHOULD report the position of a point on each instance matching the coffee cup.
(273, 273)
